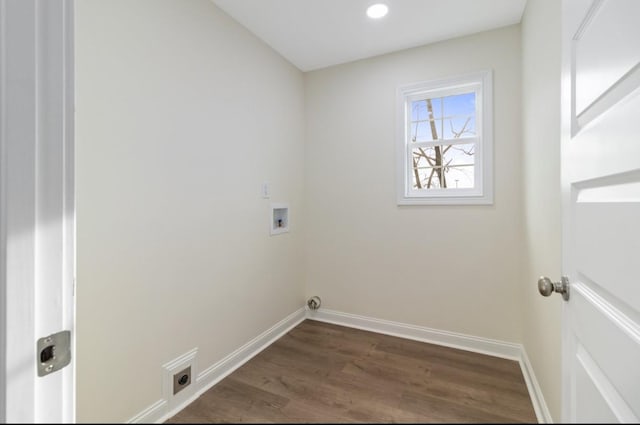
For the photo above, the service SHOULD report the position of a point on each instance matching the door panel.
(601, 210)
(607, 245)
(606, 336)
(588, 394)
(602, 56)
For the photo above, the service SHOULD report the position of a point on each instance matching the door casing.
(37, 205)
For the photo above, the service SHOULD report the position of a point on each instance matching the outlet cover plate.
(179, 383)
(175, 367)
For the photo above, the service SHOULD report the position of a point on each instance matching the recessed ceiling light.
(377, 11)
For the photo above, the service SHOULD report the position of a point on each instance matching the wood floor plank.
(324, 373)
(448, 356)
(438, 410)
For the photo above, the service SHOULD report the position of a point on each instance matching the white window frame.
(482, 194)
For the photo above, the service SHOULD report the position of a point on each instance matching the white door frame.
(37, 205)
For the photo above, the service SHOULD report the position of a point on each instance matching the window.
(444, 145)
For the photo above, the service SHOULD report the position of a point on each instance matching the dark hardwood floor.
(320, 373)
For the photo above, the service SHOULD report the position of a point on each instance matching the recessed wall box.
(279, 218)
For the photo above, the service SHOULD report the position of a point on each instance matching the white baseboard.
(213, 374)
(162, 410)
(506, 350)
(150, 415)
(491, 347)
(535, 392)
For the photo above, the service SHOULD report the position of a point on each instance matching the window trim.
(482, 194)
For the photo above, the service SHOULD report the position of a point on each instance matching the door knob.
(547, 287)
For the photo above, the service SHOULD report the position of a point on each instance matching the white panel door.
(601, 210)
(36, 206)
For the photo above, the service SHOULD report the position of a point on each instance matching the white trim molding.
(491, 347)
(535, 392)
(214, 373)
(505, 350)
(3, 212)
(37, 205)
(163, 409)
(153, 414)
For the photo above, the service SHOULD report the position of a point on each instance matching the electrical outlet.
(181, 380)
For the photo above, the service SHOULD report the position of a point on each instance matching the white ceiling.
(314, 34)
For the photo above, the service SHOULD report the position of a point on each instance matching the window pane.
(444, 167)
(420, 109)
(424, 131)
(425, 178)
(460, 177)
(461, 104)
(436, 107)
(459, 127)
(457, 155)
(423, 157)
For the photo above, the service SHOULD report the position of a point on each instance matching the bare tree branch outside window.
(434, 164)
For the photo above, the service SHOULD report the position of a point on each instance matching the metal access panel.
(53, 352)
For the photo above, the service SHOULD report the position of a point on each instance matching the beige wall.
(455, 268)
(541, 153)
(181, 114)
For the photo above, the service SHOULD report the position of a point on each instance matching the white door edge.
(36, 81)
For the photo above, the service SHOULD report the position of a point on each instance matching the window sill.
(446, 200)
